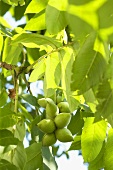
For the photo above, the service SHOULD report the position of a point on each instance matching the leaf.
(35, 6)
(33, 40)
(78, 17)
(76, 123)
(1, 44)
(7, 138)
(105, 15)
(20, 131)
(38, 71)
(92, 138)
(32, 54)
(37, 22)
(49, 159)
(11, 52)
(25, 112)
(30, 99)
(89, 65)
(7, 118)
(4, 22)
(7, 165)
(3, 97)
(55, 19)
(105, 97)
(108, 153)
(52, 72)
(76, 144)
(67, 59)
(19, 157)
(91, 100)
(34, 157)
(98, 162)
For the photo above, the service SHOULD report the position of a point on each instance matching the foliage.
(66, 45)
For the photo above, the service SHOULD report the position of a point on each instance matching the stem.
(27, 84)
(16, 96)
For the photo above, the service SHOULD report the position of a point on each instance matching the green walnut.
(49, 139)
(58, 99)
(42, 102)
(62, 120)
(64, 135)
(51, 108)
(46, 125)
(63, 107)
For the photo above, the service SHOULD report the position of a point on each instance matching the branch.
(6, 66)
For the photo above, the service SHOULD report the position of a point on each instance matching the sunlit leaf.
(1, 43)
(34, 40)
(11, 52)
(52, 72)
(92, 138)
(55, 20)
(35, 6)
(37, 22)
(108, 153)
(98, 162)
(38, 71)
(4, 22)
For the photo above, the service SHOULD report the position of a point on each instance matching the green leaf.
(7, 118)
(108, 153)
(1, 43)
(11, 52)
(35, 6)
(105, 15)
(3, 97)
(32, 40)
(25, 112)
(89, 65)
(37, 22)
(91, 100)
(105, 97)
(76, 144)
(20, 131)
(92, 138)
(67, 59)
(4, 22)
(55, 19)
(7, 165)
(30, 99)
(7, 138)
(49, 159)
(38, 71)
(78, 17)
(98, 162)
(52, 72)
(32, 54)
(76, 123)
(78, 2)
(19, 157)
(34, 157)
